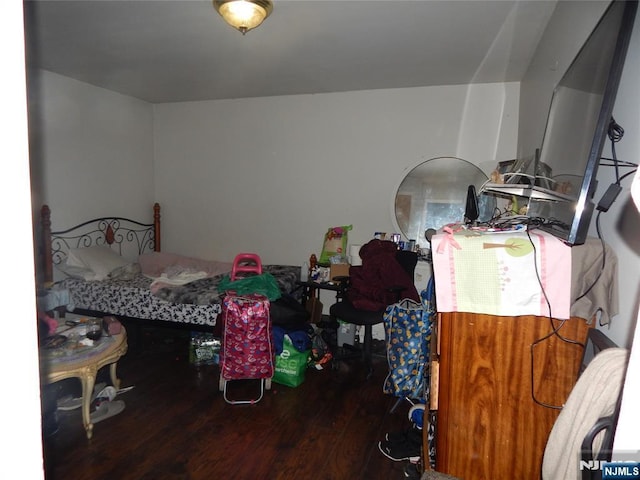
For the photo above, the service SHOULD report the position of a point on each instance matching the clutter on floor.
(407, 445)
(402, 446)
(103, 403)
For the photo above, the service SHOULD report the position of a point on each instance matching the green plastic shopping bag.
(291, 364)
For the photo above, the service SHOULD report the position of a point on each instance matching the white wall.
(19, 367)
(271, 175)
(91, 150)
(566, 31)
(568, 28)
(621, 224)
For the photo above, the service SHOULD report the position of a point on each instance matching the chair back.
(408, 260)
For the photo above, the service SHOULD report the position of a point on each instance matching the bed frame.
(123, 234)
(129, 300)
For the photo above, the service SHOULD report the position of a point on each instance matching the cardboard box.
(338, 270)
(314, 307)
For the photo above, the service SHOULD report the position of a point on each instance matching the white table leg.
(88, 380)
(114, 379)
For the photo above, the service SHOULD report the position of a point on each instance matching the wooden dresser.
(486, 372)
(499, 372)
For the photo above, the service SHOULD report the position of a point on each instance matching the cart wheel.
(267, 384)
(221, 384)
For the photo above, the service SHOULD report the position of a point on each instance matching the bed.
(115, 266)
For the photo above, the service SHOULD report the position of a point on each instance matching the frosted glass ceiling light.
(244, 15)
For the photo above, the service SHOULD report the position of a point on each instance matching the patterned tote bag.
(407, 336)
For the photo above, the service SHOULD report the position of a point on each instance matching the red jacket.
(370, 283)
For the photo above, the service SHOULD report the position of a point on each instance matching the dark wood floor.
(176, 425)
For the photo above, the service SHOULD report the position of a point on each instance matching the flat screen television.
(560, 179)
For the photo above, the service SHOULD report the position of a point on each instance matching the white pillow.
(74, 272)
(100, 260)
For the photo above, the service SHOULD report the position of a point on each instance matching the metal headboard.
(120, 233)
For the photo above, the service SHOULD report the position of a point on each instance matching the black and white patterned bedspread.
(196, 303)
(205, 291)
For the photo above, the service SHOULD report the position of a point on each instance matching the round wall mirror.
(434, 194)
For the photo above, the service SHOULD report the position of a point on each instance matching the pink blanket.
(171, 269)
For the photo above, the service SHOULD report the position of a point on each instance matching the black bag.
(288, 313)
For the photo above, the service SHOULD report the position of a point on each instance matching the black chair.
(345, 311)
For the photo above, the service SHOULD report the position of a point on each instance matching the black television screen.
(565, 169)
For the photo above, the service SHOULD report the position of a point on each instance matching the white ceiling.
(182, 50)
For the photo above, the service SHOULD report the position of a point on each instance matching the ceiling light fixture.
(244, 15)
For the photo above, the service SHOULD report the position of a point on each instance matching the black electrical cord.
(555, 330)
(615, 133)
(629, 173)
(620, 163)
(601, 238)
